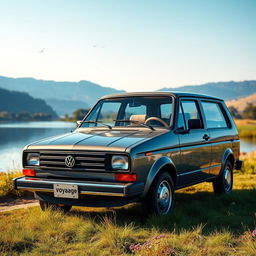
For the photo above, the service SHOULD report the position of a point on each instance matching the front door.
(195, 149)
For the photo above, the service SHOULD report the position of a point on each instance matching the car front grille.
(87, 161)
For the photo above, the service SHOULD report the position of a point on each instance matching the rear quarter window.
(214, 115)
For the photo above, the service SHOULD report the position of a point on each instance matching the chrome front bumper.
(85, 187)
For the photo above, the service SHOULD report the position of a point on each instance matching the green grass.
(201, 224)
(249, 166)
(246, 128)
(6, 187)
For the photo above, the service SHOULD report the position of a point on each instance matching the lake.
(14, 136)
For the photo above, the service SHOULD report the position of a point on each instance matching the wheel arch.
(228, 155)
(163, 164)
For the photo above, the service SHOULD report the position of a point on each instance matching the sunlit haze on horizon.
(131, 45)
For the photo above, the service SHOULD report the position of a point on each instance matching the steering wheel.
(156, 119)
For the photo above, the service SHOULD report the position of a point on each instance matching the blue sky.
(133, 45)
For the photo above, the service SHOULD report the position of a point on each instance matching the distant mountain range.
(225, 90)
(66, 97)
(19, 102)
(63, 97)
(63, 107)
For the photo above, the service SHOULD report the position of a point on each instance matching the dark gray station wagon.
(135, 147)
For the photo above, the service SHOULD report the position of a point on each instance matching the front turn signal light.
(29, 172)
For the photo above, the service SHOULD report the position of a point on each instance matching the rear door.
(220, 132)
(195, 150)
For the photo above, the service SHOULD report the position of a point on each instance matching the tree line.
(77, 115)
(248, 113)
(24, 116)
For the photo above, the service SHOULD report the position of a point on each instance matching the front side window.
(181, 120)
(130, 111)
(213, 115)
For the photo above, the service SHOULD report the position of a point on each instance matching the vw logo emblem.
(70, 161)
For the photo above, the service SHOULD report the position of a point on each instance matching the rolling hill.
(64, 97)
(66, 106)
(225, 90)
(241, 103)
(18, 102)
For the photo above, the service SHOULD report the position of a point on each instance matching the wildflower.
(171, 252)
(135, 247)
(159, 237)
(254, 233)
(149, 246)
(132, 247)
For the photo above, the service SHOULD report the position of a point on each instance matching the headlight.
(119, 162)
(33, 159)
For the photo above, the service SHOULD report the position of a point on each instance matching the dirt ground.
(9, 204)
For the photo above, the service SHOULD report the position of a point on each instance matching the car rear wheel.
(224, 183)
(160, 198)
(59, 207)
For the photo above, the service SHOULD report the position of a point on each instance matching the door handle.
(206, 137)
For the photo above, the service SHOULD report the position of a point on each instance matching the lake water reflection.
(14, 136)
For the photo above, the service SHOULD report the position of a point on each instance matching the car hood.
(116, 140)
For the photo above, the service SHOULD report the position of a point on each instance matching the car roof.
(175, 94)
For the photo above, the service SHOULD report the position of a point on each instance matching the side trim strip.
(181, 147)
(187, 173)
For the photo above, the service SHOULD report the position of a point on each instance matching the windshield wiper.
(136, 122)
(97, 122)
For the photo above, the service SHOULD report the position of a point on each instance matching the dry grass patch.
(201, 224)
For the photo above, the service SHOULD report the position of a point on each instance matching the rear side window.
(190, 111)
(214, 115)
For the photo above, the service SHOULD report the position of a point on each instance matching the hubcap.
(227, 179)
(164, 197)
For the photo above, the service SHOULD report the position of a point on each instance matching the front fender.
(154, 170)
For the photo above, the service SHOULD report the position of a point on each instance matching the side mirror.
(78, 123)
(194, 124)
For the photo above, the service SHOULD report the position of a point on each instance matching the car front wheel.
(160, 198)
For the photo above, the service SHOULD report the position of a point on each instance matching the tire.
(224, 183)
(55, 207)
(160, 198)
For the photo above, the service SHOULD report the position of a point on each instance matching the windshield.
(131, 111)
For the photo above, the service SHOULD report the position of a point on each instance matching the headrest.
(138, 118)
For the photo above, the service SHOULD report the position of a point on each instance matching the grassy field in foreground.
(201, 224)
(246, 128)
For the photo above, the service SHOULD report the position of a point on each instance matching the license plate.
(65, 190)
